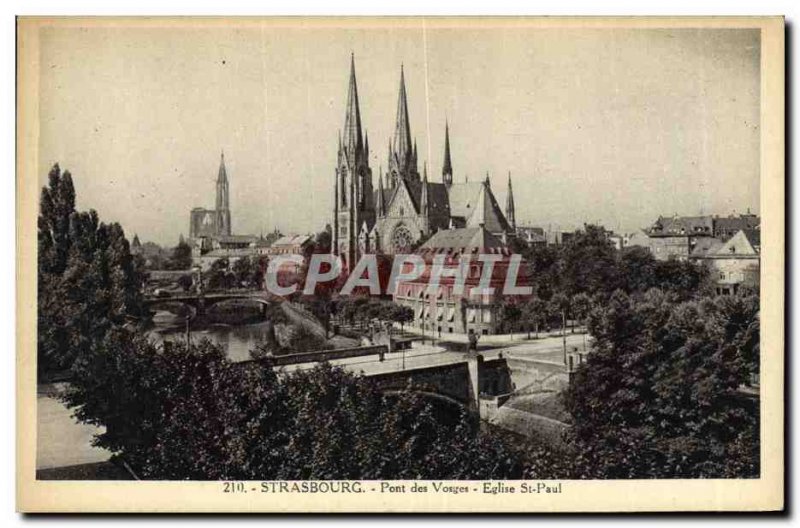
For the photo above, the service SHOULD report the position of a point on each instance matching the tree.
(88, 281)
(322, 242)
(638, 269)
(178, 412)
(534, 312)
(219, 276)
(402, 314)
(581, 304)
(185, 282)
(658, 396)
(244, 272)
(507, 314)
(181, 258)
(589, 263)
(558, 307)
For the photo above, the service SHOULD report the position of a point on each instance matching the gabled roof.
(706, 246)
(487, 212)
(236, 239)
(464, 240)
(463, 197)
(747, 242)
(438, 203)
(682, 225)
(292, 240)
(728, 226)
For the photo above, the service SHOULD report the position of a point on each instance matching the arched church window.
(402, 239)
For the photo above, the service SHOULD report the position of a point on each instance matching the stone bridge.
(199, 303)
(462, 382)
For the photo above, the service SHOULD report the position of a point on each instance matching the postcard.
(424, 264)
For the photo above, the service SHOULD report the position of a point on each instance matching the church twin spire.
(353, 142)
(402, 132)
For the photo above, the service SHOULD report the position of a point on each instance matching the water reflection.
(237, 340)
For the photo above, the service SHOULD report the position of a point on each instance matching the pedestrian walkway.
(60, 439)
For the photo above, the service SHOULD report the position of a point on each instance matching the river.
(236, 340)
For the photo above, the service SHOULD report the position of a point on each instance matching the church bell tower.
(353, 208)
(223, 205)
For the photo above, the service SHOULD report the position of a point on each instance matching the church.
(406, 208)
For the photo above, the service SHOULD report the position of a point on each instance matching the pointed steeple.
(381, 205)
(366, 144)
(402, 131)
(222, 205)
(352, 120)
(423, 202)
(447, 166)
(486, 181)
(510, 213)
(222, 176)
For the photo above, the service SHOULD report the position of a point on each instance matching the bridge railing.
(326, 355)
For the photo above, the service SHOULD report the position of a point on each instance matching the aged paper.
(559, 288)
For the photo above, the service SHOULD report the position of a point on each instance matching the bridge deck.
(427, 355)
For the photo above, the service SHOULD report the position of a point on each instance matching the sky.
(610, 126)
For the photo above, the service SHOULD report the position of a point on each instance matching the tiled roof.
(292, 240)
(706, 246)
(464, 240)
(682, 225)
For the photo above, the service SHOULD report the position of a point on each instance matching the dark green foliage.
(185, 282)
(588, 269)
(178, 413)
(508, 313)
(219, 276)
(641, 271)
(181, 258)
(589, 263)
(362, 309)
(659, 396)
(87, 279)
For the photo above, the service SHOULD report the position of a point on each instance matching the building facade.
(445, 310)
(688, 237)
(210, 230)
(208, 223)
(406, 208)
(734, 265)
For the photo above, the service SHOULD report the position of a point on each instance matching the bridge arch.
(433, 395)
(163, 303)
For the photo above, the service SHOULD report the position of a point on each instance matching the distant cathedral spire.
(222, 175)
(223, 202)
(510, 214)
(447, 167)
